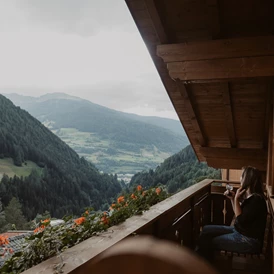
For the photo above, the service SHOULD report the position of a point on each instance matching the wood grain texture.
(189, 104)
(222, 68)
(229, 120)
(217, 49)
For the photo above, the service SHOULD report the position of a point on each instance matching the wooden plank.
(269, 175)
(267, 114)
(217, 49)
(222, 68)
(228, 115)
(192, 113)
(213, 152)
(236, 163)
(218, 206)
(271, 128)
(159, 28)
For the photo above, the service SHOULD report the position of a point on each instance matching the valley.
(116, 142)
(108, 157)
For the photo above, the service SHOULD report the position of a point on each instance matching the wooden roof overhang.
(216, 61)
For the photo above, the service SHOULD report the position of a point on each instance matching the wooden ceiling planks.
(190, 20)
(247, 18)
(233, 156)
(229, 120)
(220, 88)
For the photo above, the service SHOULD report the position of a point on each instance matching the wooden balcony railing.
(179, 218)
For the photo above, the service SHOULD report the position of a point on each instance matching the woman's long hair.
(251, 178)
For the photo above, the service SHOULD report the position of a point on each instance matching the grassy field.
(7, 167)
(96, 150)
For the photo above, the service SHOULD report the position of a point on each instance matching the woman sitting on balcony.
(246, 236)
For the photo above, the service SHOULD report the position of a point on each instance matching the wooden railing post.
(192, 218)
(270, 160)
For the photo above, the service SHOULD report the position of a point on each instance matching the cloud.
(86, 48)
(81, 17)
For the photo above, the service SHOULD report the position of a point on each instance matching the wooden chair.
(146, 255)
(258, 263)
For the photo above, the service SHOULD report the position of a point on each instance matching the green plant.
(48, 241)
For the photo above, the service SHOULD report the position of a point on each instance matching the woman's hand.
(230, 194)
(239, 193)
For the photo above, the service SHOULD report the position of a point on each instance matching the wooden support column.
(270, 158)
(269, 149)
(227, 174)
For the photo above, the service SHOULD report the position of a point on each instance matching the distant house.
(56, 222)
(16, 240)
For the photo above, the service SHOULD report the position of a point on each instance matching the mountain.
(63, 184)
(115, 141)
(177, 172)
(169, 124)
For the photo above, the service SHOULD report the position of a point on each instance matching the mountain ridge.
(115, 141)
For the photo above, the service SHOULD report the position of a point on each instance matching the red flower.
(45, 221)
(105, 220)
(80, 220)
(39, 229)
(139, 188)
(133, 196)
(158, 190)
(120, 199)
(4, 240)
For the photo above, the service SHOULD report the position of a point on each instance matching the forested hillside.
(66, 184)
(177, 172)
(116, 142)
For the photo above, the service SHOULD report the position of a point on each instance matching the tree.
(14, 215)
(2, 219)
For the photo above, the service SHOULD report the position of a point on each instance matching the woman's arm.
(231, 196)
(233, 204)
(237, 207)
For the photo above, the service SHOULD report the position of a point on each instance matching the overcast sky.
(86, 48)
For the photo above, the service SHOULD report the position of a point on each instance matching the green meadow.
(7, 167)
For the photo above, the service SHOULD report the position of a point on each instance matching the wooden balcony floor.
(237, 265)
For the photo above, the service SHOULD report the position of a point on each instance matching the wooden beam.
(236, 163)
(229, 121)
(157, 23)
(269, 173)
(271, 148)
(217, 49)
(233, 153)
(222, 68)
(234, 158)
(188, 101)
(268, 111)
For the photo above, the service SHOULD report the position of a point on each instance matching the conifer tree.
(14, 215)
(3, 222)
